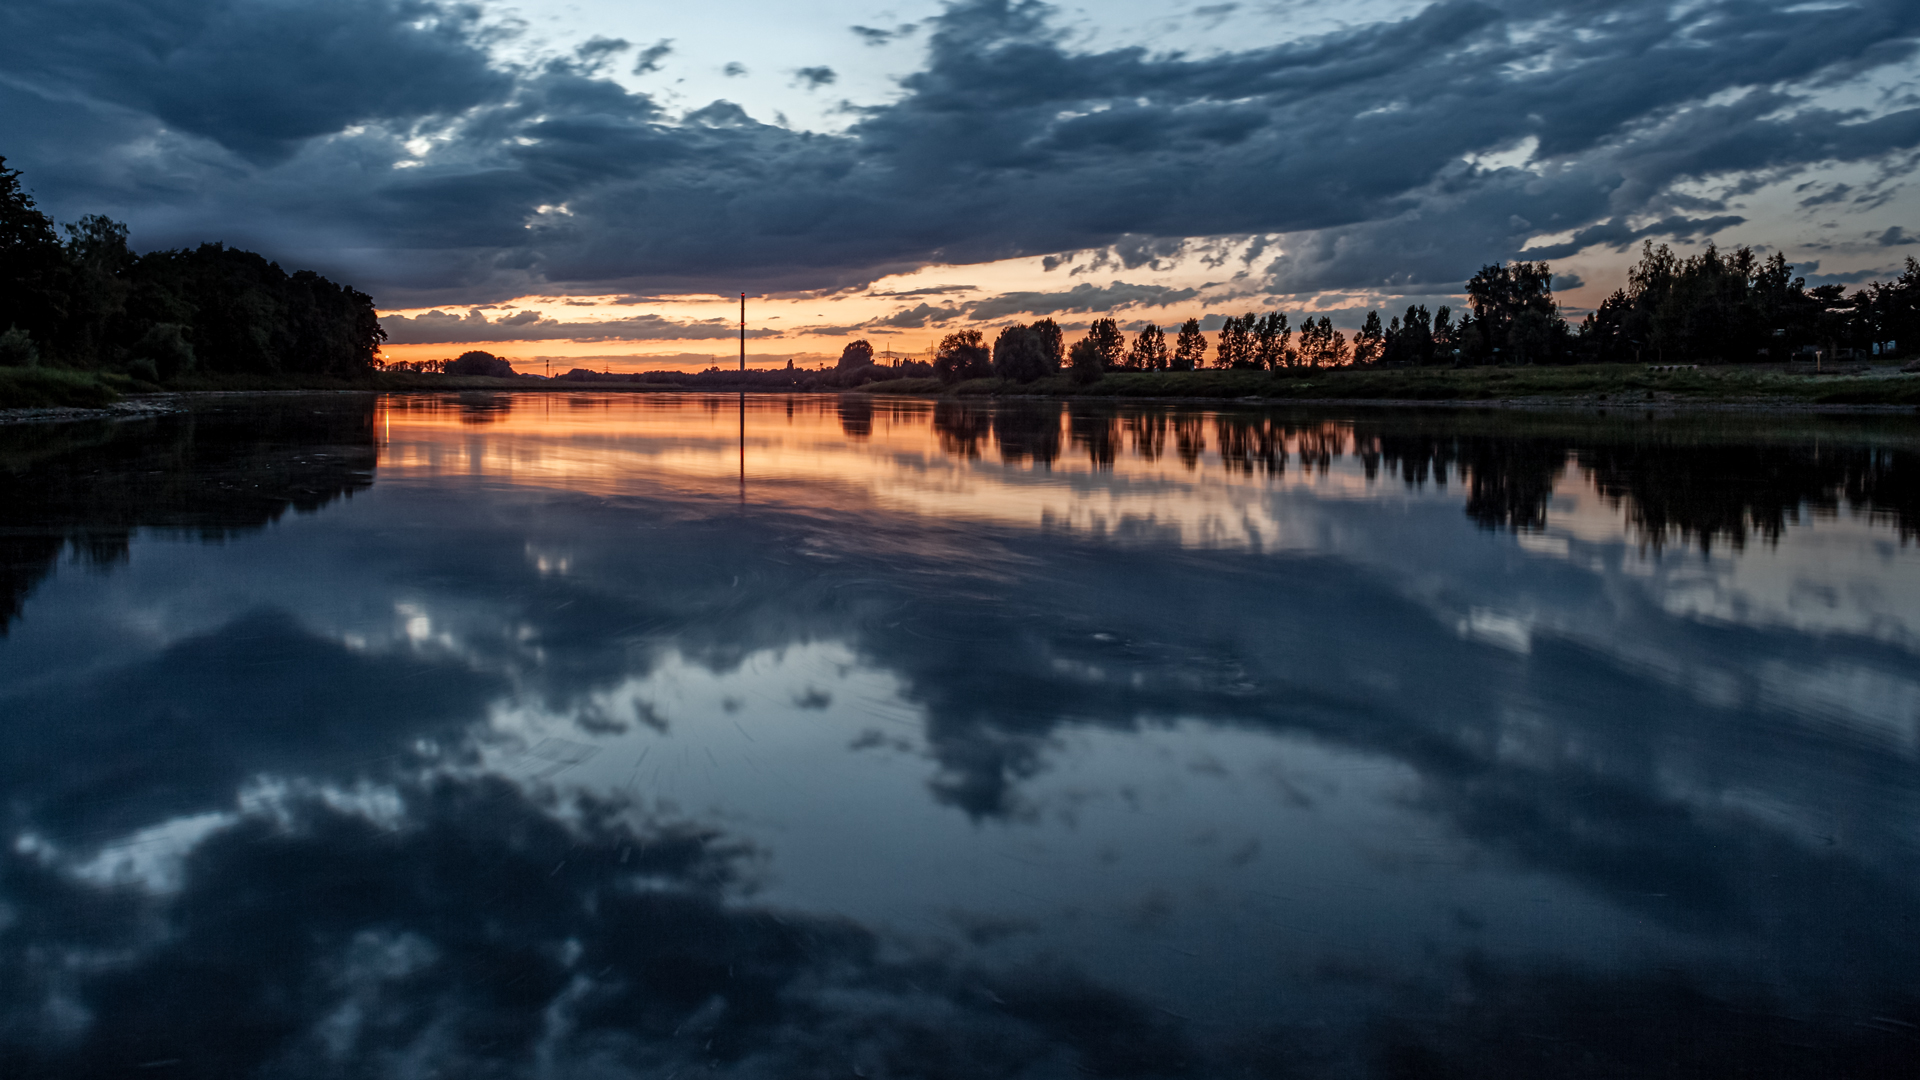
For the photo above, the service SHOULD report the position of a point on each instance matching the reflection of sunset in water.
(1828, 555)
(663, 705)
(1034, 466)
(1203, 475)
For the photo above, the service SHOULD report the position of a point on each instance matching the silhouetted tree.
(17, 348)
(856, 354)
(92, 303)
(1085, 362)
(1409, 338)
(478, 362)
(1534, 338)
(1370, 343)
(1109, 342)
(1234, 349)
(30, 264)
(1321, 345)
(1271, 338)
(1190, 349)
(1020, 354)
(962, 355)
(1500, 294)
(1149, 352)
(1892, 309)
(1052, 342)
(1731, 306)
(162, 353)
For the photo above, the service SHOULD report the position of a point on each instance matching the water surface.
(610, 735)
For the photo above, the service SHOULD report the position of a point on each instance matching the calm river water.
(676, 736)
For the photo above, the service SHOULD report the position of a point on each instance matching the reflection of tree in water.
(1671, 488)
(484, 408)
(1415, 460)
(1097, 432)
(1028, 432)
(1251, 441)
(1146, 433)
(856, 415)
(480, 931)
(1703, 494)
(1886, 484)
(214, 474)
(1509, 480)
(961, 428)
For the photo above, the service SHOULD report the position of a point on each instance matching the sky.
(595, 183)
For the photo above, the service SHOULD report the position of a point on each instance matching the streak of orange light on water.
(799, 453)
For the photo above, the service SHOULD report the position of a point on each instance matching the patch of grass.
(49, 388)
(202, 382)
(903, 386)
(1903, 390)
(1596, 383)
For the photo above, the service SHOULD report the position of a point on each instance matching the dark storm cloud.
(256, 78)
(1354, 146)
(872, 36)
(918, 315)
(598, 46)
(437, 325)
(649, 59)
(1853, 277)
(813, 78)
(1081, 298)
(1619, 236)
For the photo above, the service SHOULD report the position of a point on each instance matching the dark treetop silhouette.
(89, 302)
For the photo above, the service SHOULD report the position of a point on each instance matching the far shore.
(47, 395)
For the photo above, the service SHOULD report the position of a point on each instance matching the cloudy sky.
(590, 182)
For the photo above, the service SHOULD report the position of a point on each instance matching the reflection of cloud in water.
(1267, 483)
(87, 487)
(554, 757)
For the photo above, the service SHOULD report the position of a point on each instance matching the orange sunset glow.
(903, 314)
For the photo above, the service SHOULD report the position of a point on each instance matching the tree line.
(1737, 307)
(1733, 307)
(1676, 490)
(86, 301)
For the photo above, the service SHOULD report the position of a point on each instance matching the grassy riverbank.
(54, 388)
(1600, 384)
(1758, 386)
(1595, 384)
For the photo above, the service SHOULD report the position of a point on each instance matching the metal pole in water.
(743, 331)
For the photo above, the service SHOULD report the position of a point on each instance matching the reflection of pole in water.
(743, 447)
